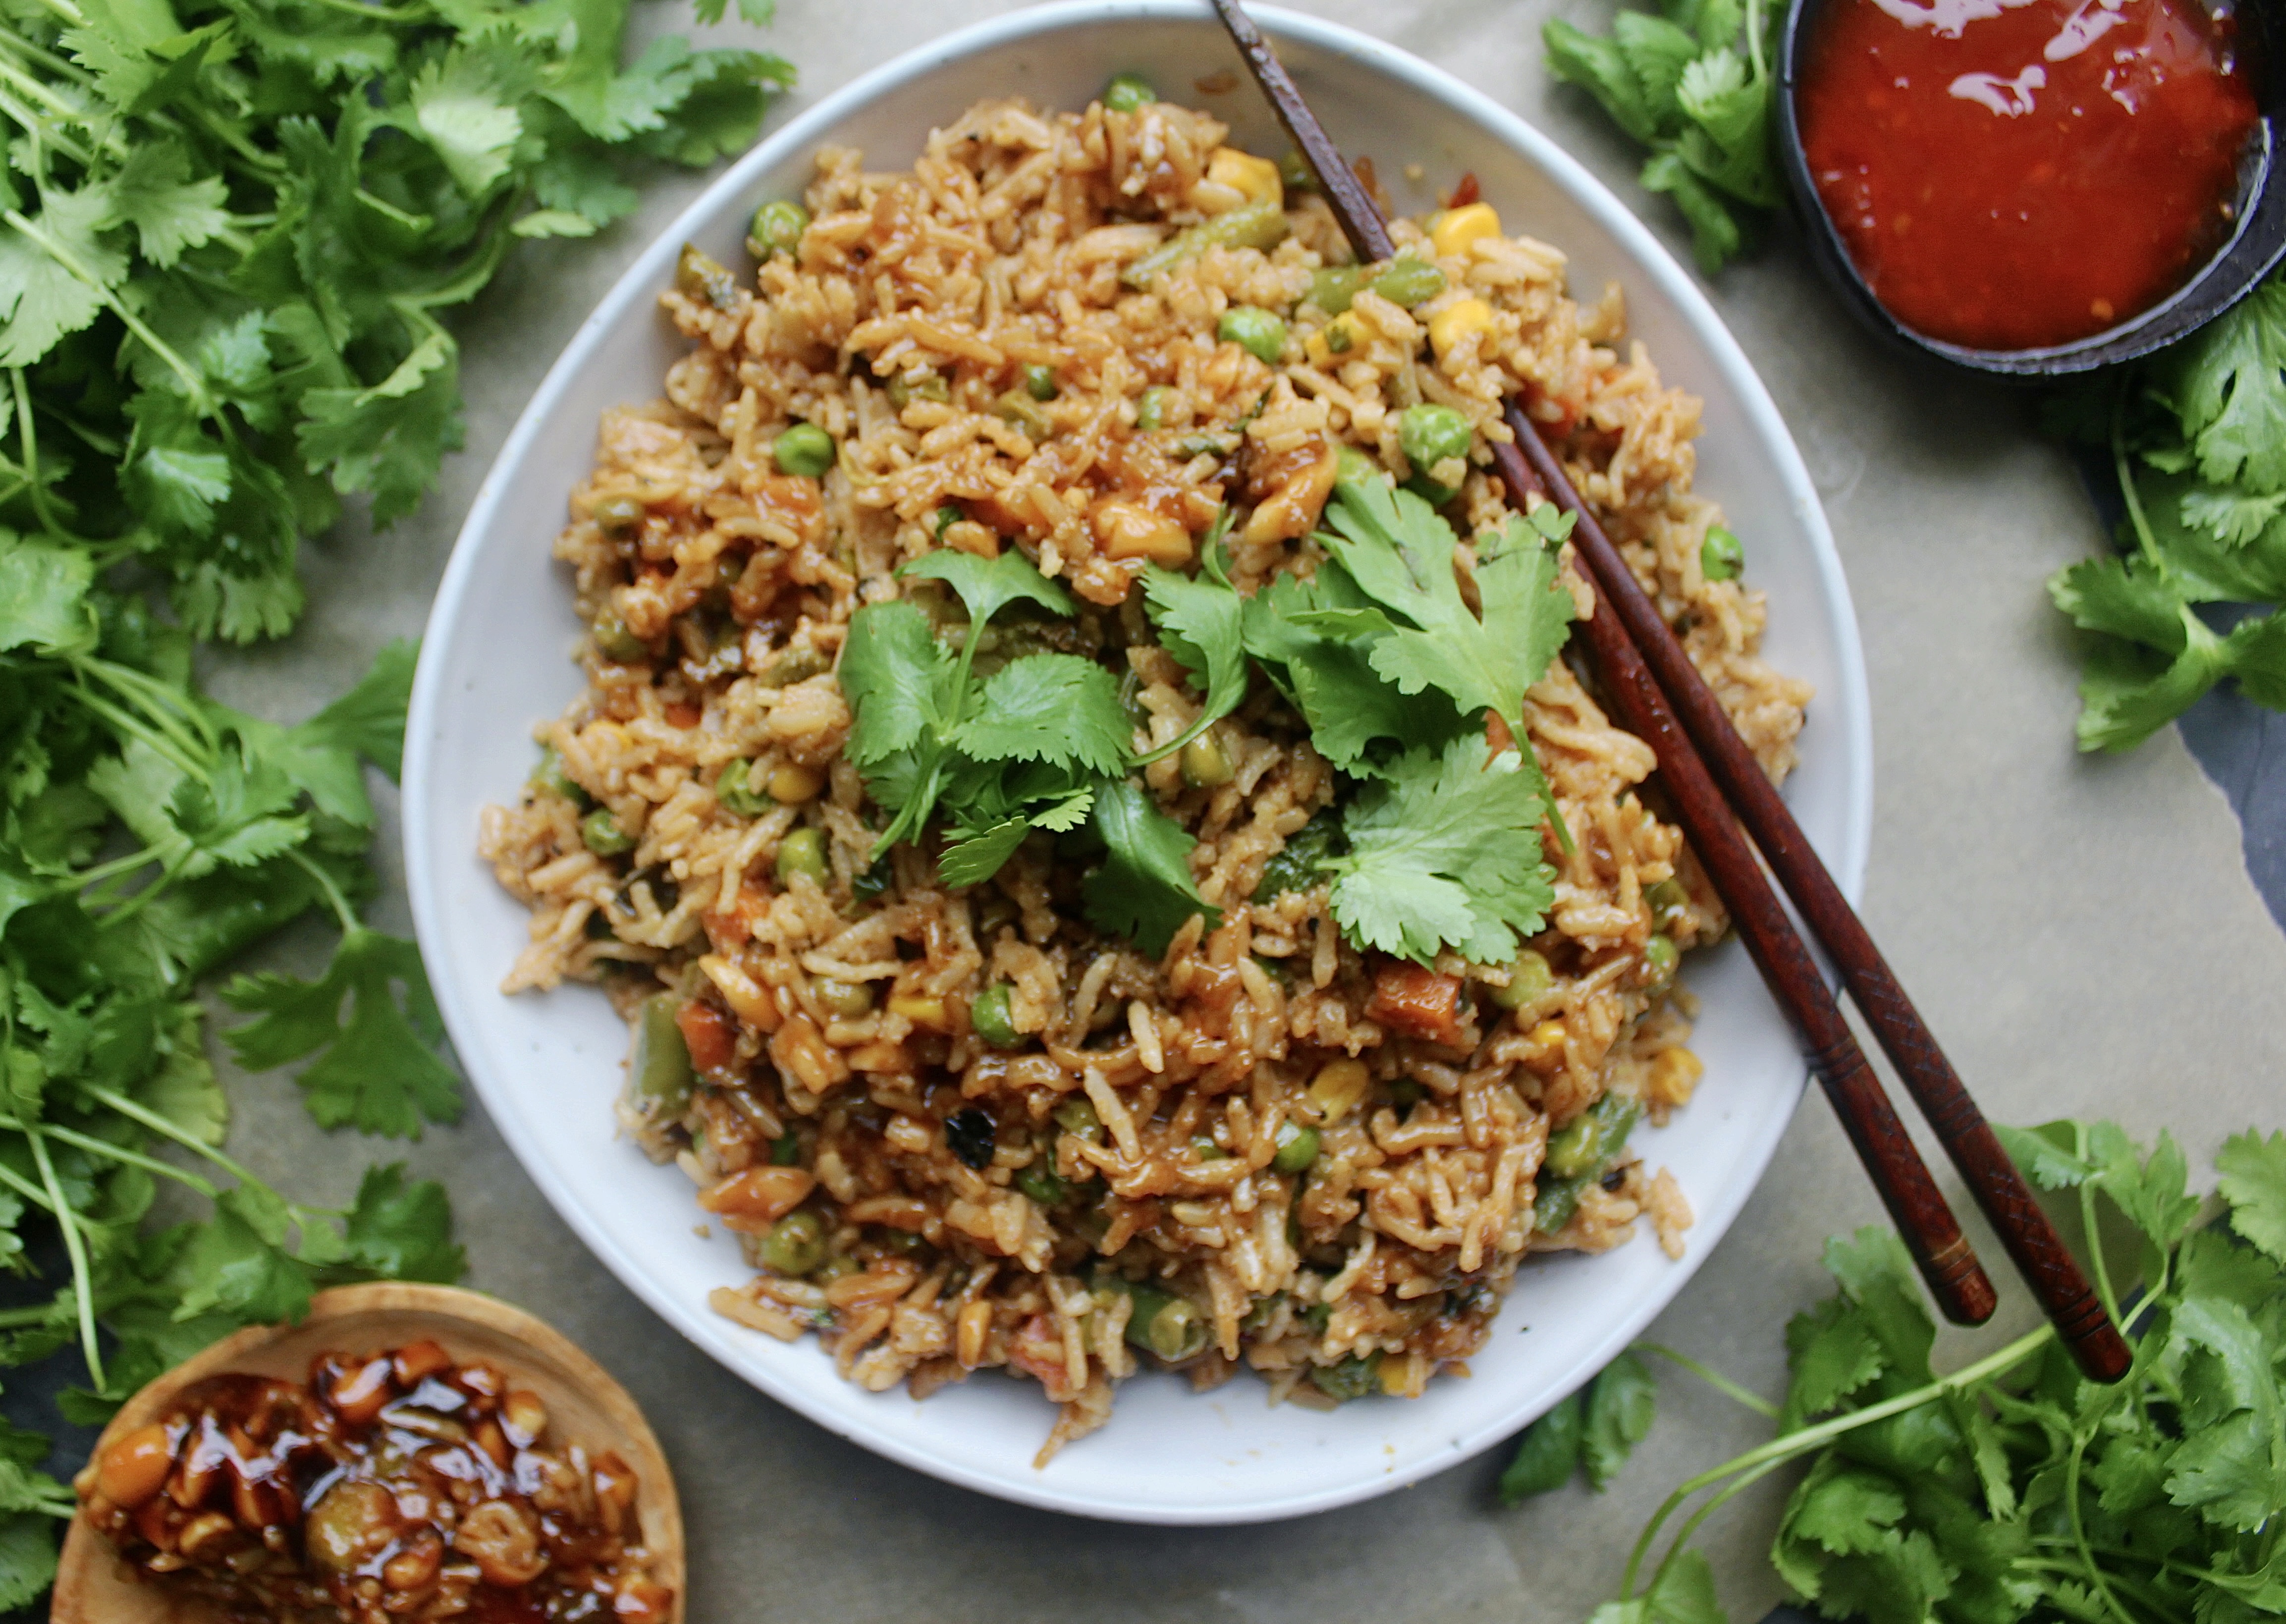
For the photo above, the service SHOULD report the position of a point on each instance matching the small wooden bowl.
(584, 1405)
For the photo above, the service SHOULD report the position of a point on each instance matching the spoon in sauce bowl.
(2036, 187)
(289, 1461)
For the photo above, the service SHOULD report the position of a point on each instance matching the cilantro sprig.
(1694, 84)
(2012, 1487)
(1380, 652)
(2194, 441)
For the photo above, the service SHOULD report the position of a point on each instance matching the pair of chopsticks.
(1716, 785)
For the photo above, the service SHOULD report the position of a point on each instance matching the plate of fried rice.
(1013, 829)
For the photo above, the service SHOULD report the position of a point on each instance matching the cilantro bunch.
(2196, 439)
(1681, 83)
(2013, 1488)
(1381, 653)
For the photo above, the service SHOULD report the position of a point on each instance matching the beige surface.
(2081, 933)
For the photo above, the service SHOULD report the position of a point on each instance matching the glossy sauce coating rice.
(960, 1129)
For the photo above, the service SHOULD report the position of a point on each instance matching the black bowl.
(2255, 247)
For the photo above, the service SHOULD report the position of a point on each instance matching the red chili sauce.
(2014, 173)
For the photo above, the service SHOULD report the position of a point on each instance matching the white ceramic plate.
(496, 661)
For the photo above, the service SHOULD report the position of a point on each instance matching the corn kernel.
(1455, 322)
(1129, 530)
(922, 1009)
(1547, 1041)
(790, 785)
(1255, 179)
(1674, 1076)
(1333, 1092)
(1400, 1375)
(1337, 338)
(1456, 228)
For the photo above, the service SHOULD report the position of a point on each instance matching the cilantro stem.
(121, 1153)
(192, 381)
(1682, 1542)
(1714, 1379)
(1791, 1443)
(1754, 37)
(10, 1318)
(66, 10)
(29, 435)
(33, 122)
(334, 899)
(26, 1188)
(157, 1123)
(75, 1248)
(2122, 468)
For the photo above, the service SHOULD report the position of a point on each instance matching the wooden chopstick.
(1643, 664)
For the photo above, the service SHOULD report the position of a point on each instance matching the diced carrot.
(1464, 192)
(752, 1200)
(1417, 1001)
(706, 1033)
(682, 714)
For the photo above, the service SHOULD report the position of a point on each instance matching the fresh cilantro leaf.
(232, 1268)
(27, 1557)
(972, 861)
(2228, 383)
(463, 108)
(401, 1231)
(1683, 1592)
(1728, 144)
(1447, 851)
(1877, 1274)
(1400, 554)
(1058, 708)
(894, 676)
(379, 1070)
(1622, 1402)
(44, 597)
(761, 13)
(2234, 517)
(170, 212)
(1599, 67)
(1201, 622)
(2254, 1183)
(1833, 1353)
(1546, 1455)
(1143, 890)
(1716, 237)
(2224, 1473)
(987, 586)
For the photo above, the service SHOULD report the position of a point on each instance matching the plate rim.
(1846, 699)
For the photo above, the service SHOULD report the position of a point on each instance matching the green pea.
(1076, 1114)
(1721, 556)
(988, 1017)
(1529, 978)
(1333, 288)
(1038, 1180)
(836, 1268)
(615, 642)
(699, 275)
(736, 789)
(1206, 1150)
(660, 1066)
(616, 516)
(795, 1244)
(603, 833)
(1040, 381)
(1409, 281)
(777, 228)
(943, 519)
(1206, 764)
(1295, 172)
(1264, 1310)
(1659, 957)
(1162, 1322)
(1668, 902)
(1128, 92)
(1353, 1378)
(802, 852)
(1433, 434)
(846, 1000)
(1255, 330)
(1352, 467)
(1151, 408)
(1297, 1148)
(785, 1151)
(804, 450)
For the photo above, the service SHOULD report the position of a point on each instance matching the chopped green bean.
(1721, 556)
(1529, 978)
(1254, 226)
(1297, 1148)
(1127, 93)
(1295, 173)
(846, 1000)
(1333, 288)
(1038, 1180)
(1076, 1114)
(660, 1066)
(1408, 281)
(1587, 1145)
(1255, 330)
(1151, 408)
(616, 516)
(615, 642)
(699, 275)
(802, 852)
(1017, 406)
(988, 1017)
(551, 776)
(1206, 764)
(1353, 1378)
(785, 1151)
(1669, 901)
(1660, 956)
(1433, 434)
(736, 789)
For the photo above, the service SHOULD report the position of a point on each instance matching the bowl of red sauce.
(2037, 188)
